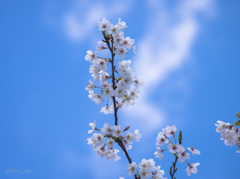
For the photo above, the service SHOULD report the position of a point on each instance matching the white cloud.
(72, 163)
(82, 17)
(164, 48)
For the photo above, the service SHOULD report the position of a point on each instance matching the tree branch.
(120, 142)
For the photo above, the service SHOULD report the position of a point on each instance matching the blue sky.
(187, 51)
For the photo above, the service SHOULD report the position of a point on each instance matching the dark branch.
(120, 142)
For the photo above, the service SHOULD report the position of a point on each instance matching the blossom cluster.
(124, 87)
(230, 133)
(147, 168)
(114, 80)
(177, 149)
(112, 134)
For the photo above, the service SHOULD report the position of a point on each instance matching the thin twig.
(120, 142)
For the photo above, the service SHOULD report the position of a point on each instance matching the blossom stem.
(173, 168)
(174, 138)
(113, 76)
(120, 143)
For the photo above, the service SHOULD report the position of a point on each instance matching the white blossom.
(93, 126)
(131, 168)
(96, 97)
(151, 164)
(108, 91)
(100, 45)
(119, 92)
(127, 80)
(120, 105)
(159, 173)
(112, 154)
(194, 151)
(101, 64)
(91, 57)
(128, 42)
(95, 71)
(182, 155)
(110, 142)
(221, 126)
(90, 86)
(173, 147)
(192, 168)
(107, 129)
(121, 24)
(103, 76)
(121, 85)
(161, 139)
(118, 39)
(114, 29)
(105, 84)
(117, 131)
(147, 164)
(121, 51)
(137, 135)
(104, 25)
(101, 151)
(134, 93)
(127, 146)
(170, 131)
(134, 49)
(96, 140)
(138, 81)
(144, 174)
(129, 137)
(107, 109)
(127, 100)
(124, 64)
(158, 153)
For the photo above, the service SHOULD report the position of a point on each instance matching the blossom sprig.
(230, 133)
(179, 152)
(125, 88)
(147, 169)
(111, 134)
(116, 82)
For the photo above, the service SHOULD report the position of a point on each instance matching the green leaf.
(237, 123)
(170, 170)
(238, 115)
(104, 33)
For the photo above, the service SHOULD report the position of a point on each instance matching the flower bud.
(109, 36)
(128, 127)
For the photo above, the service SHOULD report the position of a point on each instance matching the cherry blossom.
(229, 133)
(121, 24)
(107, 129)
(91, 57)
(194, 151)
(158, 153)
(104, 25)
(170, 131)
(182, 155)
(93, 126)
(117, 131)
(192, 168)
(107, 109)
(131, 168)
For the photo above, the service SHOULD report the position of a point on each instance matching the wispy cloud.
(164, 48)
(78, 22)
(72, 163)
